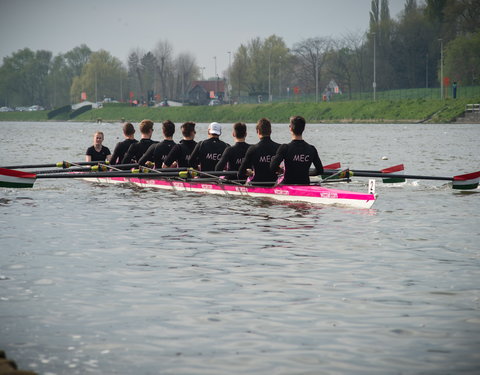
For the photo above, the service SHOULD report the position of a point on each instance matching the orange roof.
(218, 85)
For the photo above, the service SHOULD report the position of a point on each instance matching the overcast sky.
(204, 28)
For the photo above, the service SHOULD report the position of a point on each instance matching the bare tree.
(311, 56)
(163, 53)
(186, 70)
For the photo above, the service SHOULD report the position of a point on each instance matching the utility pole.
(374, 68)
(269, 80)
(441, 68)
(216, 77)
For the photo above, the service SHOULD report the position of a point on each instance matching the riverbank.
(385, 111)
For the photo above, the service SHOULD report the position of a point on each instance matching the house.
(203, 91)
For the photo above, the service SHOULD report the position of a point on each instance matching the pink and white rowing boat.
(313, 194)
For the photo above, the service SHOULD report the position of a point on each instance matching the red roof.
(218, 85)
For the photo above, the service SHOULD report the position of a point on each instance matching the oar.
(466, 181)
(61, 164)
(335, 167)
(94, 168)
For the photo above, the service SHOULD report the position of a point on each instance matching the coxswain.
(297, 155)
(233, 156)
(157, 152)
(98, 152)
(208, 152)
(122, 147)
(136, 150)
(180, 154)
(256, 164)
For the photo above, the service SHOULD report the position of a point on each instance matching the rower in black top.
(207, 153)
(233, 156)
(136, 150)
(298, 155)
(180, 154)
(258, 157)
(157, 152)
(98, 152)
(122, 147)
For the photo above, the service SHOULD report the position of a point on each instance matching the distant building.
(203, 91)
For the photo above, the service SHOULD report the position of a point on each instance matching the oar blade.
(329, 169)
(467, 181)
(395, 169)
(16, 179)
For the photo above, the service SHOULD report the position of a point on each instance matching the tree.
(258, 66)
(163, 53)
(346, 62)
(186, 70)
(462, 59)
(413, 49)
(311, 56)
(101, 78)
(24, 77)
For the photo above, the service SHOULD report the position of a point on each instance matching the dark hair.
(297, 124)
(146, 126)
(188, 128)
(128, 128)
(168, 128)
(240, 130)
(264, 127)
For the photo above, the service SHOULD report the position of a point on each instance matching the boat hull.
(313, 194)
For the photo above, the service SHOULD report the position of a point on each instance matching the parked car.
(214, 102)
(36, 108)
(6, 109)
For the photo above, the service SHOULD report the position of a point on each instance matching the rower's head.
(297, 125)
(146, 128)
(128, 129)
(239, 131)
(98, 138)
(264, 127)
(214, 129)
(188, 130)
(168, 128)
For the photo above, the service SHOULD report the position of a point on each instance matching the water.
(112, 280)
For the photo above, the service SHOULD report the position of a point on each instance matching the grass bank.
(382, 111)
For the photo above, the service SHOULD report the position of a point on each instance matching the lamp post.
(216, 78)
(316, 78)
(269, 75)
(229, 73)
(374, 67)
(441, 68)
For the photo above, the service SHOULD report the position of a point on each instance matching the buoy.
(384, 158)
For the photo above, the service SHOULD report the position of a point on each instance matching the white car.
(36, 108)
(214, 102)
(6, 109)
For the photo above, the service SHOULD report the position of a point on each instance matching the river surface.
(99, 279)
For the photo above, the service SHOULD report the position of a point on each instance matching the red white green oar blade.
(394, 169)
(16, 179)
(467, 181)
(336, 165)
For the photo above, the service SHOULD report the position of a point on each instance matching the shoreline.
(406, 111)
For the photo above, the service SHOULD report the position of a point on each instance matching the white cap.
(215, 128)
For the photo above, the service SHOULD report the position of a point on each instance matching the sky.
(207, 29)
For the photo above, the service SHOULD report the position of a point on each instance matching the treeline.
(401, 53)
